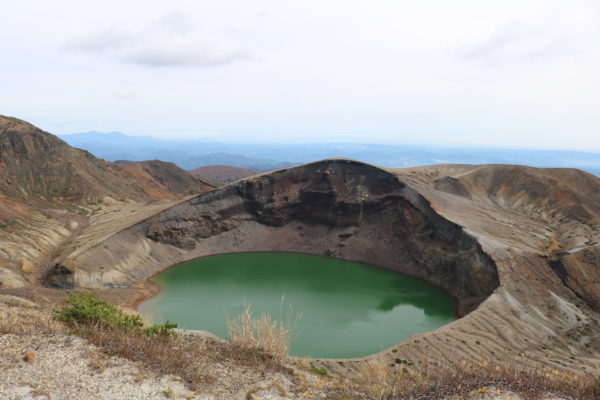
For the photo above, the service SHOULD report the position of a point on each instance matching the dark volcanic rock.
(59, 277)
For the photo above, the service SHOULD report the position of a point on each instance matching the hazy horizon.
(462, 73)
(192, 153)
(241, 140)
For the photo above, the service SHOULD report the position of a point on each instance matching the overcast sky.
(511, 73)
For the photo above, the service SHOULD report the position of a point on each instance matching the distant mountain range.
(114, 146)
(191, 154)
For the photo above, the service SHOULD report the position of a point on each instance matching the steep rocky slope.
(508, 241)
(36, 165)
(223, 173)
(52, 194)
(165, 180)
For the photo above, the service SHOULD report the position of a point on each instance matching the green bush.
(318, 371)
(87, 309)
(161, 331)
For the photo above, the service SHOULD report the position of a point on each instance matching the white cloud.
(171, 41)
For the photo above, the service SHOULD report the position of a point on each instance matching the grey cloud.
(169, 42)
(167, 57)
(515, 42)
(100, 41)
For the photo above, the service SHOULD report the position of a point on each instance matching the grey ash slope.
(223, 173)
(165, 179)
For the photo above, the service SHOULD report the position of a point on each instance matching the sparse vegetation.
(162, 331)
(161, 348)
(262, 334)
(17, 319)
(86, 308)
(318, 371)
(378, 380)
(7, 223)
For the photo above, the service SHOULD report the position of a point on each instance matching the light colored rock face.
(41, 238)
(456, 226)
(29, 246)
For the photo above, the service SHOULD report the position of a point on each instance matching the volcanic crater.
(517, 247)
(522, 263)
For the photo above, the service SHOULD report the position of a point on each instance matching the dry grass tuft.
(26, 320)
(260, 335)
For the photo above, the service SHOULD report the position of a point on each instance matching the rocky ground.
(39, 359)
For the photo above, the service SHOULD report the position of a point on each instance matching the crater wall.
(337, 208)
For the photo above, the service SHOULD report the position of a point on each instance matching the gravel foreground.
(58, 366)
(65, 367)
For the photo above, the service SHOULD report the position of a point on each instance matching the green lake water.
(347, 309)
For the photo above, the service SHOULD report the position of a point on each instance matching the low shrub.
(87, 309)
(318, 371)
(161, 331)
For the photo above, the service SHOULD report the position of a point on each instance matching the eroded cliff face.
(337, 208)
(580, 273)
